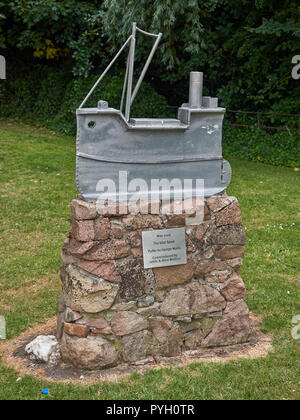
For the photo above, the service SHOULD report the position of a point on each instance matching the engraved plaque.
(163, 248)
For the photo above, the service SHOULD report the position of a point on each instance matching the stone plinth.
(112, 310)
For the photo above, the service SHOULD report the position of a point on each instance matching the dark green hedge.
(280, 148)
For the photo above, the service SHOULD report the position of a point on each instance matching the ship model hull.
(146, 149)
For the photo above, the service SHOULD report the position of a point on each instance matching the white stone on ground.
(44, 348)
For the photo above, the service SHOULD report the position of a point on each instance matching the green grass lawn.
(36, 185)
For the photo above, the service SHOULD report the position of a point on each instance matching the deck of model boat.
(138, 123)
(156, 123)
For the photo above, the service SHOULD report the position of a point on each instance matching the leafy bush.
(55, 30)
(281, 148)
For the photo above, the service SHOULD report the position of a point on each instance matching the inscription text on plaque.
(163, 248)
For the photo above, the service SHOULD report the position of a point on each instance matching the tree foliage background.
(244, 47)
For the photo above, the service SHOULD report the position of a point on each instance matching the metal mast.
(128, 82)
(130, 71)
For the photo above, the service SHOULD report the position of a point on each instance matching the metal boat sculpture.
(189, 147)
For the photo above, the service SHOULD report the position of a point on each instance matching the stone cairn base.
(112, 310)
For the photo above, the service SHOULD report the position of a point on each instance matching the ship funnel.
(196, 89)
